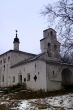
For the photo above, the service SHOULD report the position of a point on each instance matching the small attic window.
(8, 58)
(51, 33)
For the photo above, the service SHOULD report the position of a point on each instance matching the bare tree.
(60, 14)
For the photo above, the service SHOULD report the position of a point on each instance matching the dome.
(16, 39)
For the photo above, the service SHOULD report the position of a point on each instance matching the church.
(45, 71)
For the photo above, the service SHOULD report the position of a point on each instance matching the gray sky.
(23, 15)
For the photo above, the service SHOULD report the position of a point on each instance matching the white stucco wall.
(50, 44)
(18, 56)
(53, 77)
(37, 68)
(70, 68)
(46, 79)
(4, 68)
(6, 60)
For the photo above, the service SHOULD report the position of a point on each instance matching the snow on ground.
(51, 103)
(65, 101)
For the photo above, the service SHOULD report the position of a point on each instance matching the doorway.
(66, 77)
(20, 79)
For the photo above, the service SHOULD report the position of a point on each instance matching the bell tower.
(16, 42)
(49, 43)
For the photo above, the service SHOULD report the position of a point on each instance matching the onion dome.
(16, 39)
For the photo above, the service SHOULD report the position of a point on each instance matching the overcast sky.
(23, 15)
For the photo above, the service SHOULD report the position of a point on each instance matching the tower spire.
(16, 42)
(16, 33)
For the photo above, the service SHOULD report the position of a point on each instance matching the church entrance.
(20, 79)
(66, 77)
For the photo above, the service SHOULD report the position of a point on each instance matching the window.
(53, 73)
(51, 33)
(24, 79)
(35, 78)
(4, 60)
(8, 58)
(38, 73)
(55, 46)
(20, 79)
(13, 78)
(35, 65)
(28, 77)
(4, 67)
(48, 44)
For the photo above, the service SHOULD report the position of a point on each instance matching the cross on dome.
(16, 33)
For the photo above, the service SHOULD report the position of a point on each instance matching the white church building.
(44, 71)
